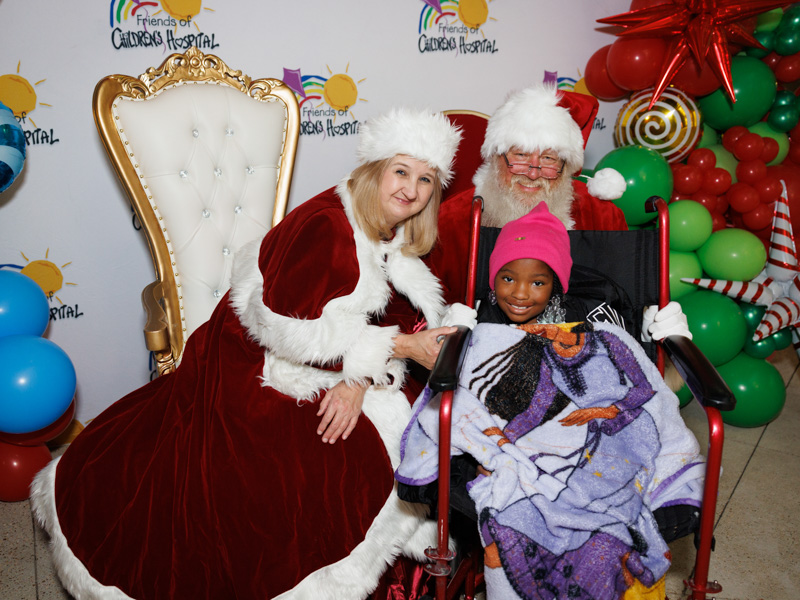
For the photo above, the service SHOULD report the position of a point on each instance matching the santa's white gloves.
(670, 320)
(460, 314)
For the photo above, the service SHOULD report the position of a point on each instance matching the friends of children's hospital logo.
(455, 26)
(19, 95)
(174, 25)
(50, 278)
(326, 102)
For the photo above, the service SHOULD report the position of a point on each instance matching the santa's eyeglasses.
(549, 166)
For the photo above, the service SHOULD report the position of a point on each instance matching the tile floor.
(757, 530)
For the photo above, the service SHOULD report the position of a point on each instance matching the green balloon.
(766, 39)
(783, 118)
(690, 225)
(709, 138)
(754, 86)
(752, 315)
(769, 21)
(763, 129)
(759, 390)
(782, 338)
(646, 174)
(760, 349)
(717, 325)
(732, 254)
(784, 98)
(725, 160)
(683, 264)
(684, 395)
(790, 18)
(787, 40)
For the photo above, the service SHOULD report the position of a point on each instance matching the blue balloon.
(24, 309)
(37, 383)
(12, 147)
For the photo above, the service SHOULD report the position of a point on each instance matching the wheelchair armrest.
(155, 329)
(444, 375)
(700, 376)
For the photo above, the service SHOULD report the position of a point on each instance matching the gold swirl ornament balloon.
(672, 127)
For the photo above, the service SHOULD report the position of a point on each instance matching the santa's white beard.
(503, 204)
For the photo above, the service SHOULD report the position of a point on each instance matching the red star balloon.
(702, 28)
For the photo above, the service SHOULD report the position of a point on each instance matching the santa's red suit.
(211, 482)
(448, 260)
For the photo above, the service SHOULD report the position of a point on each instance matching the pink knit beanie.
(537, 235)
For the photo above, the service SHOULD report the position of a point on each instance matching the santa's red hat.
(543, 117)
(539, 118)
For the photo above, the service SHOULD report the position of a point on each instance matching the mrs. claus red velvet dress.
(212, 482)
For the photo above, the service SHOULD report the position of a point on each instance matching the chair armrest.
(700, 376)
(156, 334)
(444, 375)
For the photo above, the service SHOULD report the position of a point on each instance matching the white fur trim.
(71, 571)
(532, 120)
(421, 134)
(607, 184)
(342, 331)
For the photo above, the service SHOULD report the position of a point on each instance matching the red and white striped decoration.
(782, 262)
(741, 291)
(784, 312)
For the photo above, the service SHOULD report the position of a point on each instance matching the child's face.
(523, 288)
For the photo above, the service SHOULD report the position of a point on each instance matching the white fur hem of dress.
(399, 528)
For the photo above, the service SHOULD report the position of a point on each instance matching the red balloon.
(694, 80)
(742, 197)
(794, 132)
(794, 153)
(706, 199)
(730, 137)
(771, 149)
(634, 63)
(768, 189)
(43, 435)
(718, 221)
(790, 175)
(678, 196)
(703, 158)
(750, 171)
(722, 204)
(749, 146)
(686, 179)
(597, 80)
(772, 59)
(788, 69)
(758, 218)
(716, 181)
(18, 465)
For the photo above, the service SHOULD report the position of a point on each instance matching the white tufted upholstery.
(204, 160)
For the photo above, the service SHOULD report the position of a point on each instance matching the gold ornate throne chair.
(206, 155)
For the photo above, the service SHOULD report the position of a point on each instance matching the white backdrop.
(66, 215)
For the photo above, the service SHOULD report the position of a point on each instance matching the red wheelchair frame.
(701, 378)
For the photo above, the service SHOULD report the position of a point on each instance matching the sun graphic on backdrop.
(340, 91)
(18, 94)
(473, 13)
(183, 10)
(46, 274)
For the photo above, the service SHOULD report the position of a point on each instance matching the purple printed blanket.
(583, 441)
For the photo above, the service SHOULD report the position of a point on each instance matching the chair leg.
(699, 583)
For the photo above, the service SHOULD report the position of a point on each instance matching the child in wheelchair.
(576, 437)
